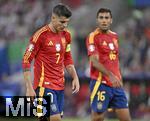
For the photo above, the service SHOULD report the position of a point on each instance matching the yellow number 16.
(112, 56)
(101, 95)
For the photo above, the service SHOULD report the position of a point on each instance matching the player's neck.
(52, 28)
(104, 31)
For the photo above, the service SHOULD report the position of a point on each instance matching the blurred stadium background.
(19, 19)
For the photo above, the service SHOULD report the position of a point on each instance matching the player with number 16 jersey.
(106, 85)
(106, 47)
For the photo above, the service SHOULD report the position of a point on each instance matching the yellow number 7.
(58, 57)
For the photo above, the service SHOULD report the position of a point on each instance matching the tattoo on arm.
(26, 69)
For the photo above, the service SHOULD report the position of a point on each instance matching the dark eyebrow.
(106, 17)
(62, 21)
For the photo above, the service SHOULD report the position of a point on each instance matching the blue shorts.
(56, 99)
(104, 97)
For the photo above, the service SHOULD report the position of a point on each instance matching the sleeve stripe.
(35, 38)
(91, 38)
(26, 57)
(38, 33)
(92, 35)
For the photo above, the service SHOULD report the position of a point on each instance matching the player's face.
(104, 21)
(60, 23)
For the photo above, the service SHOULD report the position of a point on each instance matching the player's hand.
(75, 85)
(115, 81)
(31, 93)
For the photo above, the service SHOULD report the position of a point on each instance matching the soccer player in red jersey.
(106, 81)
(51, 51)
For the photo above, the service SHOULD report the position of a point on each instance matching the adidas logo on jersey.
(50, 43)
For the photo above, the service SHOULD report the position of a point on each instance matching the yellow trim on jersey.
(38, 33)
(42, 76)
(97, 84)
(41, 91)
(112, 32)
(92, 35)
(91, 38)
(26, 57)
(39, 109)
(35, 38)
(67, 30)
(68, 48)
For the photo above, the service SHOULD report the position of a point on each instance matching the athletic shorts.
(104, 97)
(56, 99)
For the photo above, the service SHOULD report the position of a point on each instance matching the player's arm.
(75, 83)
(68, 62)
(28, 82)
(100, 67)
(31, 50)
(94, 59)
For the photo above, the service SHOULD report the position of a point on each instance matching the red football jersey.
(105, 45)
(51, 53)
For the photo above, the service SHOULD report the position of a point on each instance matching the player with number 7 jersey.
(51, 52)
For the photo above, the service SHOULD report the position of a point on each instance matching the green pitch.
(64, 119)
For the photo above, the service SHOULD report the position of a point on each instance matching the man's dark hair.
(104, 10)
(62, 10)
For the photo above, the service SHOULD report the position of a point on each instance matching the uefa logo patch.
(31, 47)
(53, 108)
(99, 105)
(91, 48)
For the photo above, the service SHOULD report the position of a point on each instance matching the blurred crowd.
(19, 19)
(135, 42)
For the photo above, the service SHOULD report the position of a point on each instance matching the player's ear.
(111, 21)
(97, 21)
(53, 17)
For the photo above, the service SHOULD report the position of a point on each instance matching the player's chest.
(55, 44)
(107, 44)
